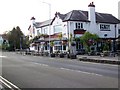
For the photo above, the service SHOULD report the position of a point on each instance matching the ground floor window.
(58, 47)
(46, 47)
(79, 45)
(36, 47)
(64, 47)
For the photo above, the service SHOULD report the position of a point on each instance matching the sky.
(19, 12)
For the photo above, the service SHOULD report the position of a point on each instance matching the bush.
(106, 47)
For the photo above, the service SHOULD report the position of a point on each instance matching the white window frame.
(45, 30)
(78, 25)
(55, 28)
(104, 27)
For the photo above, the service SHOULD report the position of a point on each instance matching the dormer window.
(104, 27)
(79, 25)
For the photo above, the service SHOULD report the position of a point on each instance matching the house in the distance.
(3, 40)
(76, 23)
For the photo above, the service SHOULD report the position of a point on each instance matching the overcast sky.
(18, 12)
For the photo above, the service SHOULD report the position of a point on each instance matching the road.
(45, 72)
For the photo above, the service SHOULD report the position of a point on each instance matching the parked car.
(80, 51)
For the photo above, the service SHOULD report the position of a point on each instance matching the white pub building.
(75, 23)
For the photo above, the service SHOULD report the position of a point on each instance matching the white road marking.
(71, 70)
(6, 84)
(2, 56)
(41, 64)
(9, 83)
(81, 71)
(51, 58)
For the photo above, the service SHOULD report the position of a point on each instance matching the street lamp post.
(115, 40)
(49, 24)
(20, 43)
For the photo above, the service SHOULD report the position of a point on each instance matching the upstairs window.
(57, 28)
(79, 25)
(44, 30)
(104, 27)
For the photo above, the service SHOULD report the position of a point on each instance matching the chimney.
(91, 12)
(92, 17)
(32, 25)
(119, 10)
(33, 20)
(91, 5)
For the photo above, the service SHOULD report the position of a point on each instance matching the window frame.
(104, 27)
(54, 28)
(78, 25)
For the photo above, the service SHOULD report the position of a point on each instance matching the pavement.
(99, 59)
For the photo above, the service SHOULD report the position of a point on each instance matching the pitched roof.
(79, 15)
(106, 18)
(42, 24)
(62, 16)
(76, 15)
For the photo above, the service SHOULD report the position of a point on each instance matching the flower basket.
(52, 54)
(72, 56)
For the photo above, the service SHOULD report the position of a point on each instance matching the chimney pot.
(91, 5)
(33, 18)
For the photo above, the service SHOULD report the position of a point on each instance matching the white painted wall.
(58, 21)
(96, 30)
(110, 34)
(91, 14)
(70, 26)
(1, 40)
(92, 19)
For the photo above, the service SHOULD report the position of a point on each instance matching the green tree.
(89, 39)
(16, 38)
